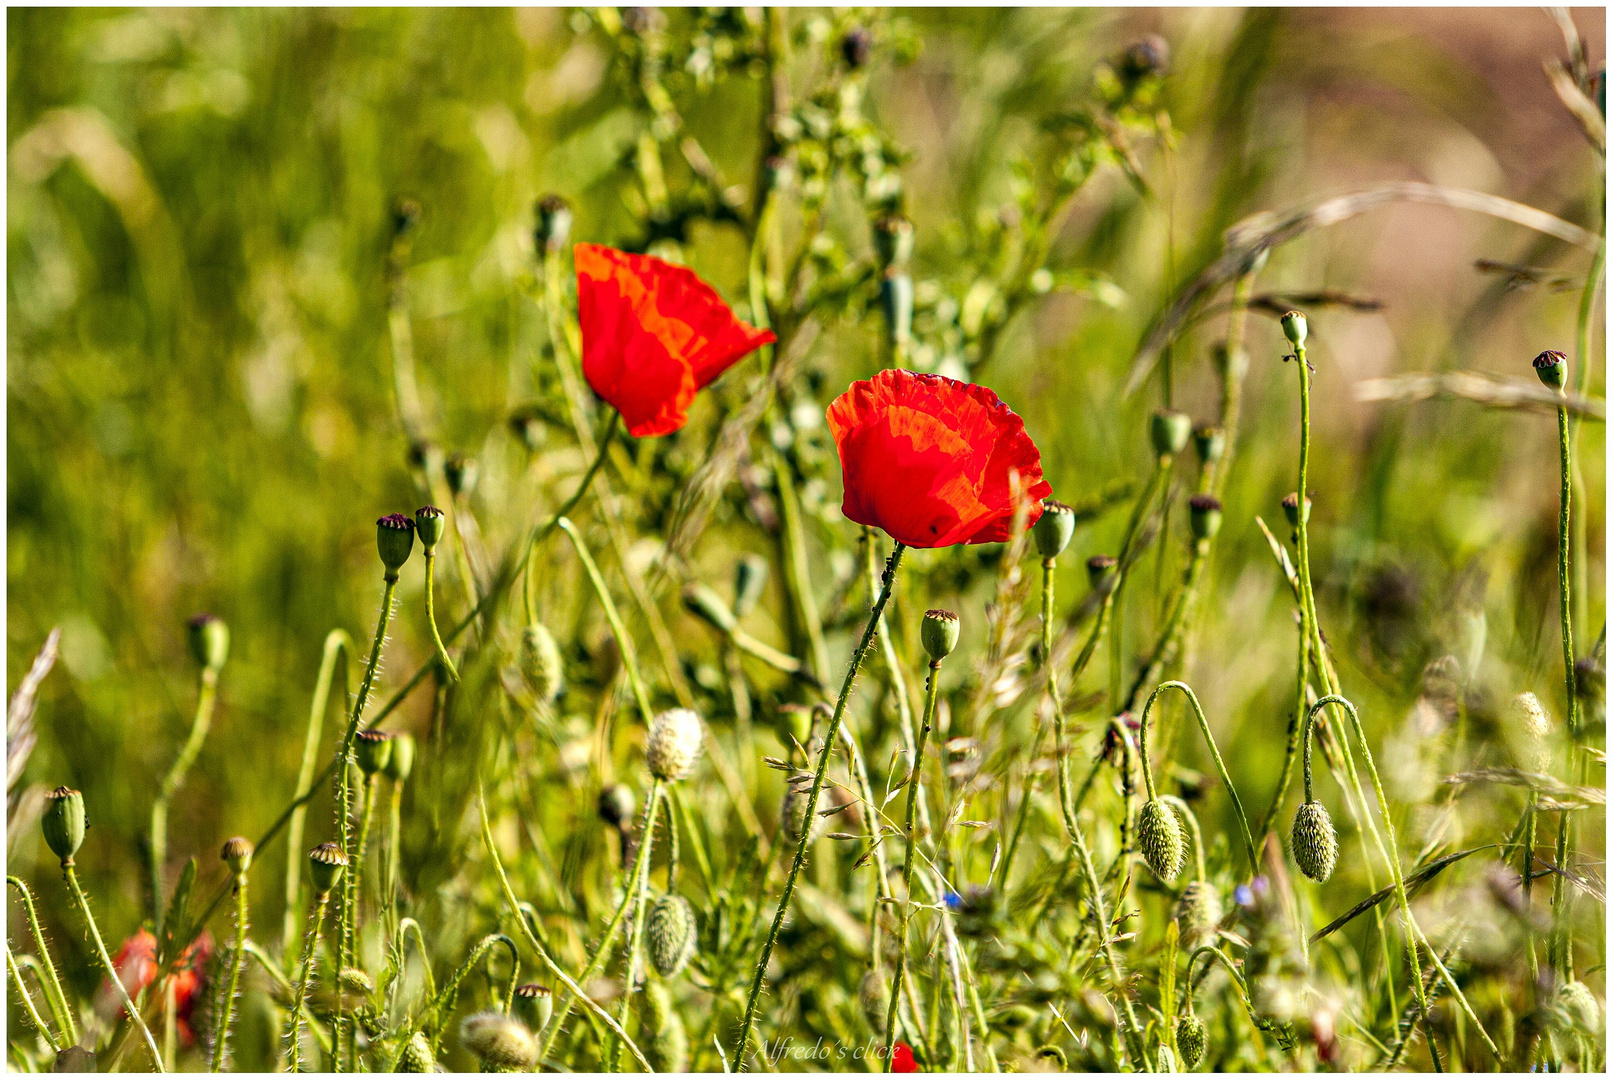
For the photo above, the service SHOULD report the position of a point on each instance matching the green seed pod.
(703, 602)
(617, 805)
(63, 823)
(1291, 509)
(209, 640)
(1210, 442)
(1159, 838)
(673, 744)
(1204, 516)
(669, 934)
(237, 854)
(1192, 1037)
(554, 223)
(1314, 842)
(896, 298)
(500, 1042)
(416, 1057)
(1198, 911)
(394, 539)
(793, 725)
(1052, 1058)
(939, 632)
(1101, 570)
(372, 750)
(668, 1044)
(1053, 529)
(750, 581)
(429, 524)
(893, 240)
(1295, 329)
(1169, 432)
(1533, 726)
(325, 866)
(461, 472)
(1551, 367)
(1575, 1008)
(541, 663)
(400, 763)
(874, 998)
(534, 1004)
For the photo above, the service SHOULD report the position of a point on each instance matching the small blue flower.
(1244, 896)
(953, 901)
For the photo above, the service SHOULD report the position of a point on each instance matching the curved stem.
(111, 970)
(28, 1002)
(336, 642)
(1100, 922)
(431, 620)
(914, 778)
(1215, 754)
(1305, 741)
(629, 660)
(309, 941)
(530, 590)
(1213, 953)
(636, 894)
(1048, 566)
(221, 1027)
(206, 696)
(55, 999)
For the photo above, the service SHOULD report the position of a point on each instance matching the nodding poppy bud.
(1210, 442)
(428, 526)
(1191, 1039)
(534, 1004)
(541, 662)
(209, 640)
(325, 866)
(673, 744)
(1198, 911)
(394, 539)
(939, 632)
(355, 981)
(1291, 508)
(1159, 838)
(417, 1057)
(1169, 432)
(1294, 329)
(1534, 726)
(372, 750)
(1052, 1058)
(617, 804)
(461, 471)
(1053, 529)
(63, 823)
(893, 240)
(237, 854)
(702, 600)
(874, 999)
(669, 934)
(1101, 569)
(1204, 516)
(500, 1042)
(1575, 1008)
(1314, 842)
(1552, 368)
(896, 298)
(400, 763)
(554, 223)
(750, 581)
(856, 47)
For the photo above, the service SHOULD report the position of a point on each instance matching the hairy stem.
(907, 863)
(205, 699)
(106, 962)
(337, 642)
(309, 942)
(55, 999)
(221, 1023)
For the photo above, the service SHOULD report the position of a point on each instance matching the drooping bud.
(1204, 516)
(750, 581)
(500, 1042)
(673, 744)
(1314, 842)
(63, 823)
(372, 750)
(429, 524)
(1198, 911)
(1533, 726)
(1295, 329)
(669, 934)
(939, 632)
(394, 539)
(209, 640)
(1551, 367)
(541, 663)
(1291, 508)
(461, 472)
(1159, 838)
(896, 299)
(1191, 1039)
(554, 223)
(856, 47)
(1052, 1058)
(416, 1057)
(1101, 570)
(400, 763)
(1169, 432)
(703, 601)
(893, 240)
(1210, 442)
(237, 854)
(326, 863)
(1053, 529)
(534, 1004)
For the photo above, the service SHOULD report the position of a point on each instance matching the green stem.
(1048, 565)
(539, 534)
(431, 620)
(391, 859)
(336, 642)
(797, 571)
(28, 1002)
(54, 997)
(636, 896)
(629, 660)
(913, 780)
(221, 1026)
(1100, 921)
(106, 962)
(309, 941)
(1562, 953)
(1215, 755)
(205, 699)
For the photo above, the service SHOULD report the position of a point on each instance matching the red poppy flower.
(652, 335)
(902, 1059)
(927, 459)
(136, 965)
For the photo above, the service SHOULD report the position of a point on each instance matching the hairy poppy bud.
(400, 763)
(416, 1057)
(702, 600)
(325, 866)
(856, 47)
(1204, 516)
(673, 744)
(209, 640)
(237, 854)
(1210, 442)
(63, 823)
(541, 662)
(1053, 529)
(534, 1004)
(1295, 329)
(750, 581)
(1169, 432)
(893, 240)
(1533, 726)
(428, 526)
(1291, 508)
(896, 299)
(554, 223)
(1100, 569)
(874, 999)
(1314, 842)
(499, 1041)
(1198, 911)
(372, 750)
(939, 632)
(355, 981)
(669, 934)
(1159, 838)
(1552, 368)
(1191, 1039)
(394, 539)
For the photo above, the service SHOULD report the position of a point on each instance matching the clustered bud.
(372, 750)
(1053, 529)
(428, 526)
(673, 744)
(237, 854)
(1159, 837)
(500, 1042)
(1169, 432)
(63, 823)
(535, 1004)
(394, 539)
(1191, 1039)
(326, 864)
(209, 641)
(669, 934)
(1314, 842)
(939, 632)
(1204, 516)
(1551, 367)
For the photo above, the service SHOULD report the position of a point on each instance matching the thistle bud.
(63, 823)
(416, 1057)
(1533, 726)
(1169, 432)
(1101, 570)
(703, 601)
(534, 1004)
(541, 664)
(896, 299)
(372, 750)
(461, 472)
(394, 539)
(669, 934)
(325, 866)
(1198, 911)
(1291, 508)
(1159, 838)
(617, 805)
(893, 240)
(1204, 516)
(1294, 329)
(1551, 367)
(673, 744)
(1053, 529)
(856, 47)
(209, 640)
(750, 581)
(428, 526)
(554, 223)
(1191, 1039)
(1314, 842)
(237, 854)
(400, 763)
(1210, 442)
(500, 1042)
(939, 632)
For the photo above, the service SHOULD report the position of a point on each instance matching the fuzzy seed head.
(63, 823)
(1159, 838)
(394, 539)
(1191, 1039)
(237, 854)
(372, 750)
(534, 1004)
(400, 763)
(1533, 725)
(541, 663)
(326, 863)
(670, 934)
(1551, 367)
(1169, 432)
(499, 1041)
(939, 632)
(874, 999)
(429, 523)
(1204, 516)
(673, 744)
(1053, 529)
(417, 1056)
(1198, 911)
(1576, 1009)
(209, 638)
(1295, 329)
(1314, 841)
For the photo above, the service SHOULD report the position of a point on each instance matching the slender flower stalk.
(428, 526)
(210, 642)
(530, 582)
(237, 854)
(1215, 755)
(28, 1002)
(55, 999)
(309, 941)
(629, 659)
(637, 894)
(338, 644)
(106, 962)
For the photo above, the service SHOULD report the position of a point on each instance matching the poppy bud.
(63, 823)
(669, 934)
(856, 47)
(1576, 1009)
(1169, 432)
(1314, 842)
(372, 750)
(1159, 838)
(793, 813)
(400, 763)
(617, 804)
(541, 662)
(874, 999)
(534, 1004)
(417, 1056)
(1291, 508)
(554, 223)
(1210, 442)
(702, 600)
(1204, 516)
(1534, 726)
(896, 297)
(237, 854)
(461, 472)
(325, 865)
(673, 744)
(428, 526)
(209, 640)
(1054, 528)
(500, 1042)
(1191, 1039)
(355, 981)
(394, 539)
(1552, 368)
(1198, 911)
(939, 632)
(893, 240)
(1294, 329)
(1100, 568)
(750, 581)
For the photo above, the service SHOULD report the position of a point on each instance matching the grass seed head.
(1575, 1009)
(541, 663)
(1314, 841)
(1053, 529)
(1533, 726)
(499, 1041)
(874, 998)
(63, 823)
(939, 632)
(1159, 838)
(673, 744)
(209, 638)
(670, 934)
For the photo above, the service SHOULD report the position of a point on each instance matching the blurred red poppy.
(928, 459)
(136, 965)
(652, 335)
(902, 1059)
